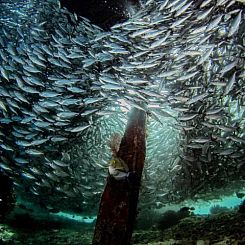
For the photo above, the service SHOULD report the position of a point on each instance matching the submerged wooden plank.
(117, 212)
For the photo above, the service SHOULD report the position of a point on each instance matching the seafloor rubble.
(226, 228)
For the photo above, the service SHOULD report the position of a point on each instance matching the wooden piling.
(118, 205)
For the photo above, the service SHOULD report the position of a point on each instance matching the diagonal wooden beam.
(118, 205)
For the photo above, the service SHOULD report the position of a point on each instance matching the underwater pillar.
(118, 205)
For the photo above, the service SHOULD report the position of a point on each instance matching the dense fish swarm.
(66, 87)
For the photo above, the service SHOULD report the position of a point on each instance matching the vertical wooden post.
(118, 206)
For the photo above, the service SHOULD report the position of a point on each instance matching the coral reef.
(217, 209)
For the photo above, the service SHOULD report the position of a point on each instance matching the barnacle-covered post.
(117, 211)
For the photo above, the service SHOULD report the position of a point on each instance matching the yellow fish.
(118, 164)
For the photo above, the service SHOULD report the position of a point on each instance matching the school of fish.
(66, 86)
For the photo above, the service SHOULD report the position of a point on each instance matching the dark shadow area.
(102, 13)
(7, 197)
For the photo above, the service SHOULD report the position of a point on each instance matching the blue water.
(229, 202)
(76, 217)
(201, 208)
